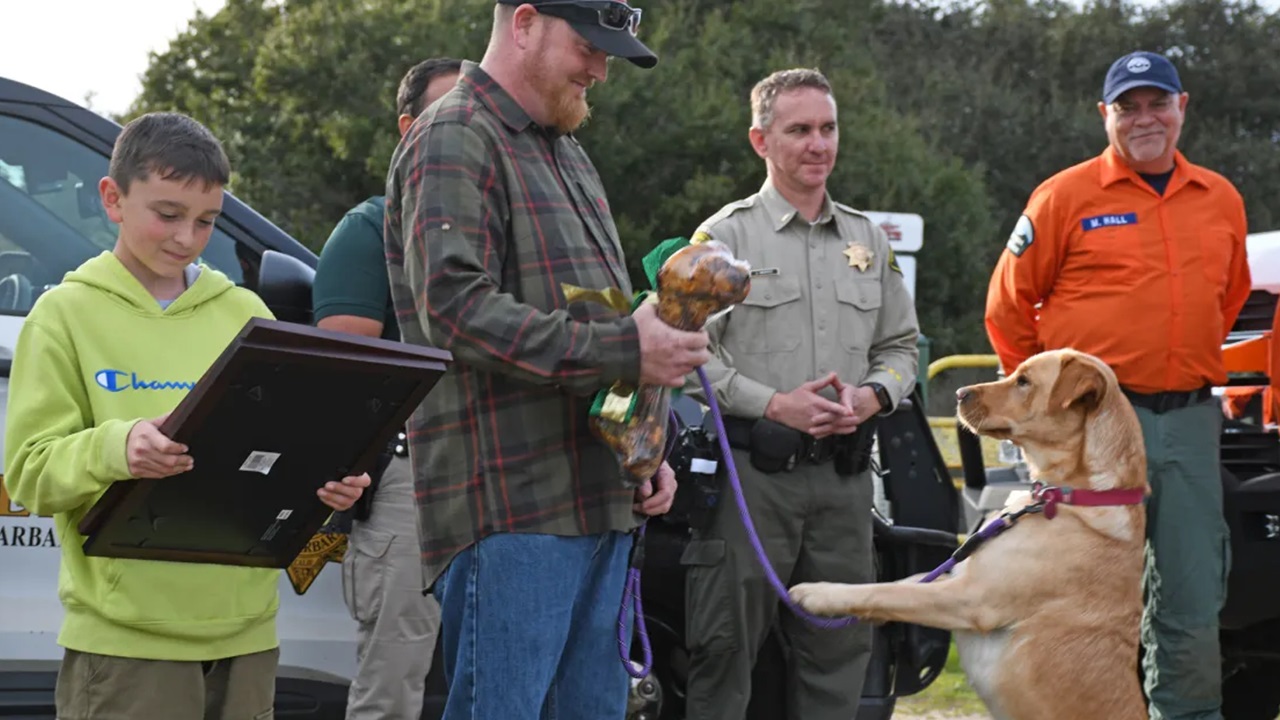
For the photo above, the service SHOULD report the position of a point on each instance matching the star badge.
(859, 256)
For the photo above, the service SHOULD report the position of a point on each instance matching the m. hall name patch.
(1098, 222)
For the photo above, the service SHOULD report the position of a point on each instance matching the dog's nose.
(963, 395)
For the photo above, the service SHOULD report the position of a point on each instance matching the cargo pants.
(383, 587)
(1187, 561)
(815, 526)
(105, 687)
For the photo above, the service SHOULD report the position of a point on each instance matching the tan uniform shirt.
(827, 296)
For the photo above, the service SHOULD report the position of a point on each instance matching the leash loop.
(631, 589)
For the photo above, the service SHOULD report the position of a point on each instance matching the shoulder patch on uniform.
(849, 210)
(893, 262)
(1024, 233)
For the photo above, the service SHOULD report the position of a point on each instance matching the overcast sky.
(76, 47)
(73, 47)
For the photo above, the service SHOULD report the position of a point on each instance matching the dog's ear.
(1079, 383)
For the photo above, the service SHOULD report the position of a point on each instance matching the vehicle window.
(51, 217)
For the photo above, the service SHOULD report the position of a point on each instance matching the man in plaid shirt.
(492, 209)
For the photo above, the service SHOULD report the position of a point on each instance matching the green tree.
(332, 69)
(302, 93)
(1012, 86)
(207, 73)
(671, 144)
(953, 111)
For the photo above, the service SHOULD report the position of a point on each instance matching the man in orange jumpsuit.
(1137, 256)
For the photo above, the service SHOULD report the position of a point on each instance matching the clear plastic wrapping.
(696, 283)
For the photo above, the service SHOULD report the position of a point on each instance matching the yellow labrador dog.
(1046, 614)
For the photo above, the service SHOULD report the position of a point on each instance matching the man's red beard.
(566, 108)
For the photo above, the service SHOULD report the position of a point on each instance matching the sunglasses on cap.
(611, 14)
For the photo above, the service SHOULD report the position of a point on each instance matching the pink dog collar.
(1051, 496)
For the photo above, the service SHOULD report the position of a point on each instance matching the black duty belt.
(812, 450)
(1163, 402)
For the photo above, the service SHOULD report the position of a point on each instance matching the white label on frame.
(260, 462)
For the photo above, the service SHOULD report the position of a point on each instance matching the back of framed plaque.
(284, 409)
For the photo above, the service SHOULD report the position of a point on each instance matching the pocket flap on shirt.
(862, 294)
(772, 291)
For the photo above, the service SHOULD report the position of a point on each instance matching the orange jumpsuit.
(1101, 263)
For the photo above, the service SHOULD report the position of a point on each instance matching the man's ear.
(1079, 383)
(756, 136)
(523, 24)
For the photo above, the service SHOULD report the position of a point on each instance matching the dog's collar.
(1050, 496)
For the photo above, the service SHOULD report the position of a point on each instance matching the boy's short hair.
(414, 84)
(172, 145)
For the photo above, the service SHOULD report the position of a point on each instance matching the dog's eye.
(1022, 381)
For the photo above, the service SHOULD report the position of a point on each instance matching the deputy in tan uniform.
(825, 341)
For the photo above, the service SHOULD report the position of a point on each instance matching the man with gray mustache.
(1138, 257)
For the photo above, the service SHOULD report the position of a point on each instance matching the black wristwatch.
(882, 395)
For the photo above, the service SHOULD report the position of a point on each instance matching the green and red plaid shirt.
(488, 216)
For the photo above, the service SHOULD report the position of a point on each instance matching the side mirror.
(284, 284)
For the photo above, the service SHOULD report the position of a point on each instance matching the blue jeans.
(529, 628)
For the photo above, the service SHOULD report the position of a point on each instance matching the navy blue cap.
(1140, 69)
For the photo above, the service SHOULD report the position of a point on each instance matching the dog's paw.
(821, 598)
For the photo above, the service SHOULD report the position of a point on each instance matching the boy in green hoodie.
(101, 359)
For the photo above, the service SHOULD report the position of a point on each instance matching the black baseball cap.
(609, 25)
(1140, 69)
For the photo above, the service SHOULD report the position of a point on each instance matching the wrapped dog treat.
(695, 282)
(699, 281)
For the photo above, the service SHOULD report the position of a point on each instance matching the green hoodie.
(95, 355)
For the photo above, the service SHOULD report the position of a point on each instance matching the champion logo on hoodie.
(121, 380)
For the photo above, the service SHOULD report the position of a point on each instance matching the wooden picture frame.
(284, 409)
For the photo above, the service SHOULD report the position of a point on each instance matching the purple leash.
(992, 529)
(988, 531)
(632, 590)
(770, 574)
(631, 595)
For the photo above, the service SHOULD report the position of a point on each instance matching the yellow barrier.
(946, 435)
(944, 428)
(951, 362)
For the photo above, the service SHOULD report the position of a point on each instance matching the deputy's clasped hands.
(804, 409)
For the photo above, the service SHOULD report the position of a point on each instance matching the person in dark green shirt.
(351, 293)
(382, 578)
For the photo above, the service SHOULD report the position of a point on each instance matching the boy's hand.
(342, 495)
(153, 455)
